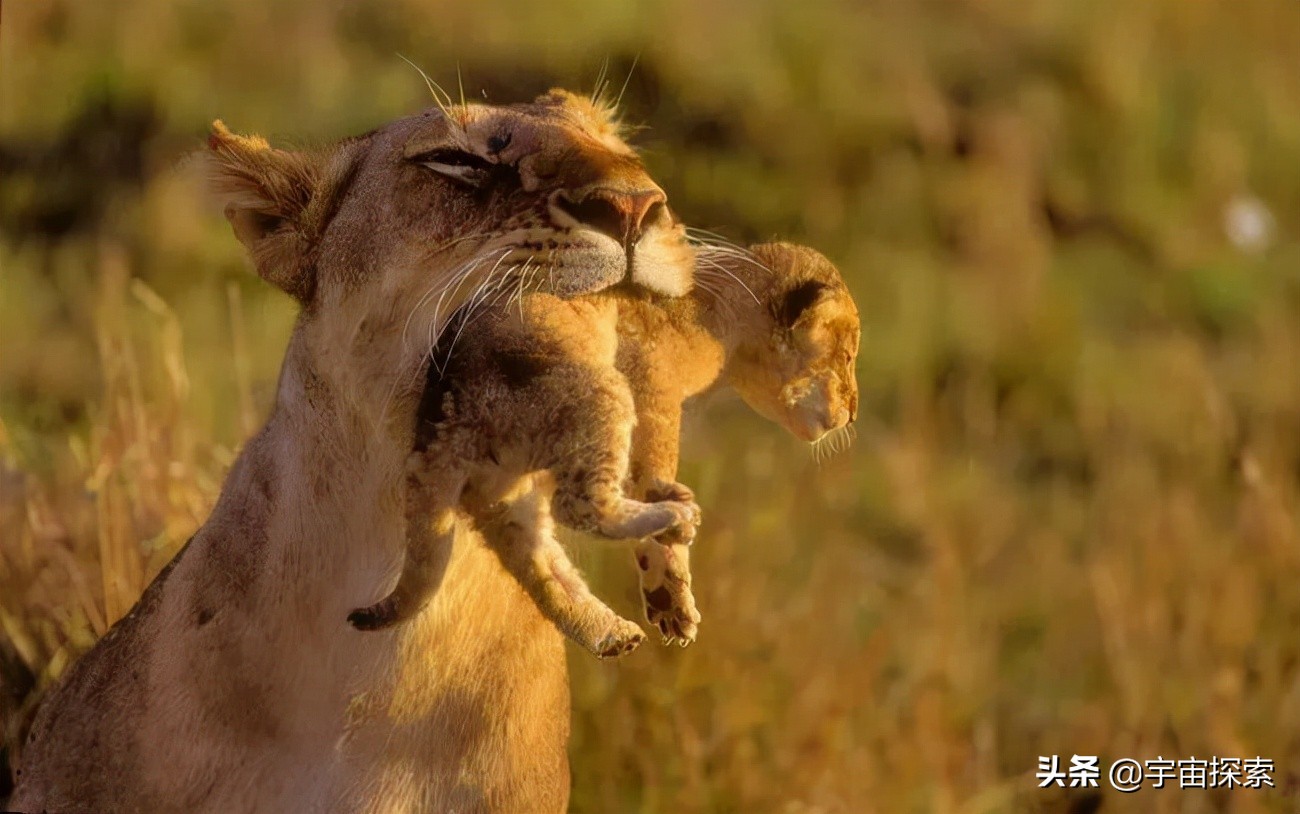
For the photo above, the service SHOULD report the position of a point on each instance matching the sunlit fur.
(526, 419)
(236, 684)
(487, 449)
(776, 323)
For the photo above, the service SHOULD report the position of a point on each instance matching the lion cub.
(524, 420)
(532, 418)
(777, 324)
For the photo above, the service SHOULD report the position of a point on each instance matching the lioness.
(787, 340)
(235, 683)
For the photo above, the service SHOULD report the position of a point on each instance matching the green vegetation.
(1069, 524)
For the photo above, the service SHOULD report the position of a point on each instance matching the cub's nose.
(621, 215)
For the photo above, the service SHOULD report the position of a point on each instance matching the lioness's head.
(382, 232)
(799, 371)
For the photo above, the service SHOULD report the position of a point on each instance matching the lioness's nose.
(621, 215)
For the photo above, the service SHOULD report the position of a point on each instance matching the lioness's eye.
(457, 164)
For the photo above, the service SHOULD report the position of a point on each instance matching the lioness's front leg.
(522, 534)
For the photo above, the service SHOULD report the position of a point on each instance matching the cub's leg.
(431, 494)
(591, 441)
(522, 534)
(665, 572)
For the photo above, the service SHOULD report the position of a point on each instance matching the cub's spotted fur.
(777, 324)
(524, 420)
(532, 418)
(235, 684)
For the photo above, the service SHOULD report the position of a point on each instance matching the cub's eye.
(457, 165)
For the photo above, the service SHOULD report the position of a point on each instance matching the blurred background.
(1069, 523)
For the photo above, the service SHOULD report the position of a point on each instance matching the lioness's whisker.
(437, 313)
(696, 230)
(433, 289)
(525, 278)
(713, 240)
(453, 287)
(711, 264)
(436, 327)
(622, 90)
(493, 284)
(454, 277)
(713, 291)
(599, 89)
(703, 237)
(434, 89)
(475, 310)
(737, 252)
(441, 247)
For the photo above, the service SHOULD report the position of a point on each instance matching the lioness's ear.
(267, 193)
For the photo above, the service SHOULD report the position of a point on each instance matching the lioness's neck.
(437, 691)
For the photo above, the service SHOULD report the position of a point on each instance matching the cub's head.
(798, 368)
(379, 234)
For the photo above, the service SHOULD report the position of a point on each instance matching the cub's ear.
(267, 194)
(795, 303)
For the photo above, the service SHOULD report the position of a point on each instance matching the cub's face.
(801, 374)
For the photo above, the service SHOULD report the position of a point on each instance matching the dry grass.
(1070, 522)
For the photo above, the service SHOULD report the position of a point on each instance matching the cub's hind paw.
(670, 607)
(622, 639)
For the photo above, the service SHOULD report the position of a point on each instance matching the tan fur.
(774, 322)
(528, 418)
(531, 401)
(236, 684)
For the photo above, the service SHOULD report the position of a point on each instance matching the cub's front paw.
(667, 522)
(684, 526)
(621, 639)
(661, 491)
